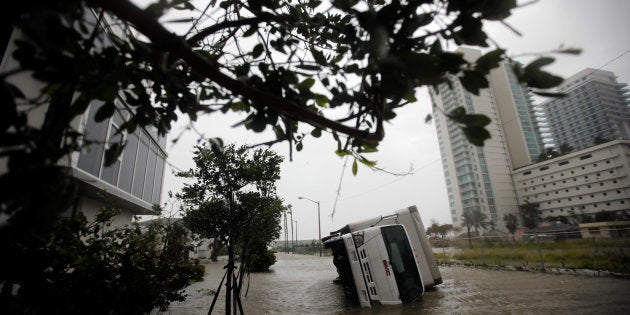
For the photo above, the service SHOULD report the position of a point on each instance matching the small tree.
(529, 214)
(511, 223)
(444, 229)
(434, 229)
(233, 199)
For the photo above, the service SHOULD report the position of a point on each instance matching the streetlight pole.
(292, 239)
(296, 237)
(286, 246)
(319, 223)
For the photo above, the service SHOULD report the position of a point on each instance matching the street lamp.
(319, 224)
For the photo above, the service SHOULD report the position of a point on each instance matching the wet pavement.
(300, 284)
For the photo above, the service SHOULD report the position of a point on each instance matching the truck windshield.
(403, 263)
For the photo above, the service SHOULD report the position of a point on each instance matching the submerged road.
(300, 284)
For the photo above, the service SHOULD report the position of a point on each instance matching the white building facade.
(579, 183)
(596, 105)
(132, 183)
(479, 178)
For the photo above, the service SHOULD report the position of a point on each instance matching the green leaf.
(319, 56)
(368, 149)
(316, 133)
(490, 60)
(570, 51)
(549, 94)
(342, 153)
(497, 9)
(313, 4)
(321, 100)
(355, 167)
(257, 51)
(344, 4)
(476, 135)
(299, 146)
(104, 112)
(111, 154)
(539, 63)
(476, 120)
(542, 80)
(473, 81)
(306, 84)
(410, 96)
(367, 162)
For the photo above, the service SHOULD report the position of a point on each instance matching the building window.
(584, 157)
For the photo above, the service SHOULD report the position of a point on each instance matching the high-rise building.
(479, 178)
(595, 108)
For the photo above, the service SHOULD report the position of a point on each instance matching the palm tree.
(476, 220)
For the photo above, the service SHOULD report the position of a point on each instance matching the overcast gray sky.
(598, 27)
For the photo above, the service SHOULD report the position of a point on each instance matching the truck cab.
(377, 265)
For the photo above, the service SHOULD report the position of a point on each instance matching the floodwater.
(299, 284)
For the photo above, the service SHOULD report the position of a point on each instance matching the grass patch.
(609, 254)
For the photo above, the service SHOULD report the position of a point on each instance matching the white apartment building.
(579, 183)
(596, 105)
(479, 178)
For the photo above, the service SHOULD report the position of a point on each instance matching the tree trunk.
(216, 247)
(230, 279)
(469, 239)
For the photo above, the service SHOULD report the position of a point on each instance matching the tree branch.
(172, 43)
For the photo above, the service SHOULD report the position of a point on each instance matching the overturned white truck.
(386, 259)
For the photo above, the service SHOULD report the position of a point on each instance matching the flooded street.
(301, 284)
